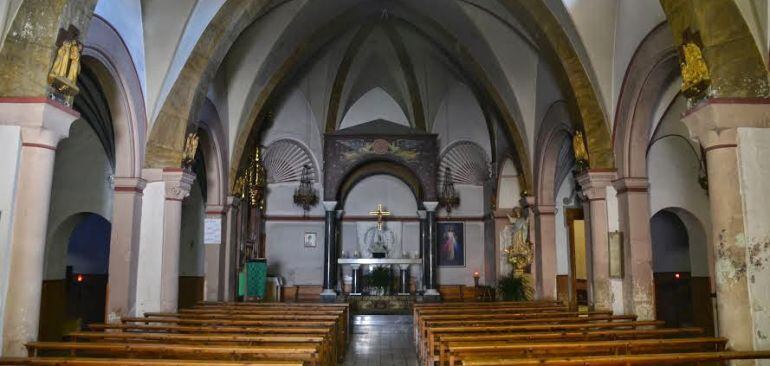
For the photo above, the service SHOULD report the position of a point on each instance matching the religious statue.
(695, 73)
(581, 154)
(65, 70)
(519, 252)
(378, 245)
(190, 147)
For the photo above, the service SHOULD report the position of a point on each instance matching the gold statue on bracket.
(696, 78)
(65, 70)
(190, 147)
(581, 153)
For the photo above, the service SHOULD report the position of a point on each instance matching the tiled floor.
(381, 340)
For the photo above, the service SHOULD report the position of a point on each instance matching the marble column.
(545, 251)
(735, 135)
(634, 215)
(124, 248)
(594, 184)
(228, 266)
(330, 257)
(43, 124)
(431, 283)
(213, 254)
(158, 286)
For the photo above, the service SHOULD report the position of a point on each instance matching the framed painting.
(310, 240)
(451, 244)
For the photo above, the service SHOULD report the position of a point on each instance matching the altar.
(355, 267)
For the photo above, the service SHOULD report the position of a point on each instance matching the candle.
(476, 274)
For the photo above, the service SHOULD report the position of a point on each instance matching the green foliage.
(380, 277)
(515, 288)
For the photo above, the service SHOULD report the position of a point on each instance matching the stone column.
(404, 279)
(228, 254)
(638, 280)
(545, 251)
(124, 248)
(423, 251)
(431, 283)
(213, 254)
(158, 286)
(594, 185)
(330, 257)
(43, 124)
(736, 137)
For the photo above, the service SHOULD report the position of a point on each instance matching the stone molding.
(542, 210)
(178, 183)
(421, 214)
(330, 205)
(594, 183)
(43, 122)
(714, 123)
(430, 205)
(631, 184)
(129, 185)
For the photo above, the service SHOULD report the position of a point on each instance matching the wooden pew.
(428, 349)
(493, 352)
(644, 359)
(446, 343)
(307, 354)
(86, 361)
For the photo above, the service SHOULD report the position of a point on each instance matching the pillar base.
(328, 295)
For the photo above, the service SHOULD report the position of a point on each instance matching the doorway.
(578, 265)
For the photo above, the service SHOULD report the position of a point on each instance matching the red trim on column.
(597, 199)
(173, 169)
(216, 212)
(173, 199)
(41, 146)
(721, 146)
(33, 100)
(128, 189)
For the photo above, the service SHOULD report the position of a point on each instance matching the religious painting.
(310, 240)
(451, 244)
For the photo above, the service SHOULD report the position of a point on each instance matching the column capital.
(178, 183)
(430, 205)
(421, 214)
(330, 205)
(594, 183)
(714, 122)
(216, 210)
(340, 213)
(232, 201)
(43, 122)
(129, 185)
(631, 184)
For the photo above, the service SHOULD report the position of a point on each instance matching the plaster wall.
(375, 104)
(191, 248)
(288, 257)
(10, 150)
(8, 10)
(508, 192)
(460, 118)
(519, 63)
(754, 170)
(126, 17)
(81, 183)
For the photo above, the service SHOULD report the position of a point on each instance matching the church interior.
(384, 182)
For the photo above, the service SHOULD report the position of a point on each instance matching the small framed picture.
(310, 240)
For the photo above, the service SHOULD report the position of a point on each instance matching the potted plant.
(379, 280)
(515, 288)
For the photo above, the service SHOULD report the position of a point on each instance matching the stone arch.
(376, 167)
(653, 68)
(212, 145)
(555, 131)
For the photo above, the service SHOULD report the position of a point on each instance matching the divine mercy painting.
(451, 244)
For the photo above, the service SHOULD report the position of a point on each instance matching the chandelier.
(256, 178)
(448, 197)
(305, 195)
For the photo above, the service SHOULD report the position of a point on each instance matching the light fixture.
(257, 181)
(448, 198)
(305, 195)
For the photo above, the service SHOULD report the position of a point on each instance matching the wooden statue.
(62, 61)
(74, 65)
(190, 147)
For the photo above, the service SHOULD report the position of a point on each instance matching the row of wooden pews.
(548, 333)
(301, 334)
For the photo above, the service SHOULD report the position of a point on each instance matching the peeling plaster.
(731, 259)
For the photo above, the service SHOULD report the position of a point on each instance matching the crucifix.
(380, 213)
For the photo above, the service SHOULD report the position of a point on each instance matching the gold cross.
(380, 213)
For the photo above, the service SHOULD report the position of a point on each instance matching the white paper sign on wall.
(212, 232)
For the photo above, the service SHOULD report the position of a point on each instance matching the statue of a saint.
(74, 67)
(520, 250)
(62, 61)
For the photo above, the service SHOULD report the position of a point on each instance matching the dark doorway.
(671, 263)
